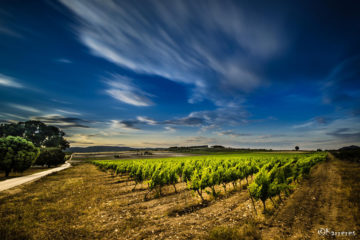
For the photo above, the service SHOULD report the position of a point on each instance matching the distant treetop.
(37, 132)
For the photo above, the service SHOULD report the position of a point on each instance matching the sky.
(160, 73)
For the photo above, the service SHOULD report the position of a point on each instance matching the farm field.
(126, 155)
(85, 202)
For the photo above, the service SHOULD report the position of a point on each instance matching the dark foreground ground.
(85, 203)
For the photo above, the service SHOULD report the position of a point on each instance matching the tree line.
(24, 144)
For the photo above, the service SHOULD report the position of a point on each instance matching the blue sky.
(165, 73)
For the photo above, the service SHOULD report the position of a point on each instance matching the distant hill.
(98, 149)
(348, 148)
(107, 149)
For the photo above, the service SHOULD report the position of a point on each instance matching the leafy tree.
(37, 132)
(50, 157)
(297, 148)
(16, 154)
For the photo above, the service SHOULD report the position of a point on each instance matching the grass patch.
(248, 231)
(51, 208)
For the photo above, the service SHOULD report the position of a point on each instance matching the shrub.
(50, 157)
(16, 154)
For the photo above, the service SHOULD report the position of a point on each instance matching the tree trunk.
(200, 194)
(272, 201)
(213, 191)
(264, 205)
(145, 197)
(134, 187)
(224, 186)
(7, 172)
(175, 188)
(252, 200)
(247, 182)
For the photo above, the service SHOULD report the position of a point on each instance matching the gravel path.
(13, 182)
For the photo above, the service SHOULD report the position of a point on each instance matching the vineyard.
(267, 175)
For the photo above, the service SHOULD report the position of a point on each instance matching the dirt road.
(13, 182)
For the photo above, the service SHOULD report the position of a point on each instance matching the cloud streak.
(233, 134)
(7, 81)
(122, 89)
(62, 122)
(24, 108)
(145, 38)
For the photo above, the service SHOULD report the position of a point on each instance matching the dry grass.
(49, 208)
(247, 231)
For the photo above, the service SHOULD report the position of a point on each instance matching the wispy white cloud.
(123, 90)
(146, 39)
(314, 122)
(14, 116)
(6, 31)
(232, 133)
(62, 121)
(341, 88)
(170, 129)
(60, 101)
(305, 125)
(68, 112)
(123, 125)
(7, 81)
(24, 108)
(146, 120)
(63, 60)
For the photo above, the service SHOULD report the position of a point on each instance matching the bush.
(16, 154)
(50, 157)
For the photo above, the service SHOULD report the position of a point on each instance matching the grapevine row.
(274, 174)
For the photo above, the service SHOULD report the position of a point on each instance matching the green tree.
(16, 154)
(50, 157)
(37, 132)
(297, 148)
